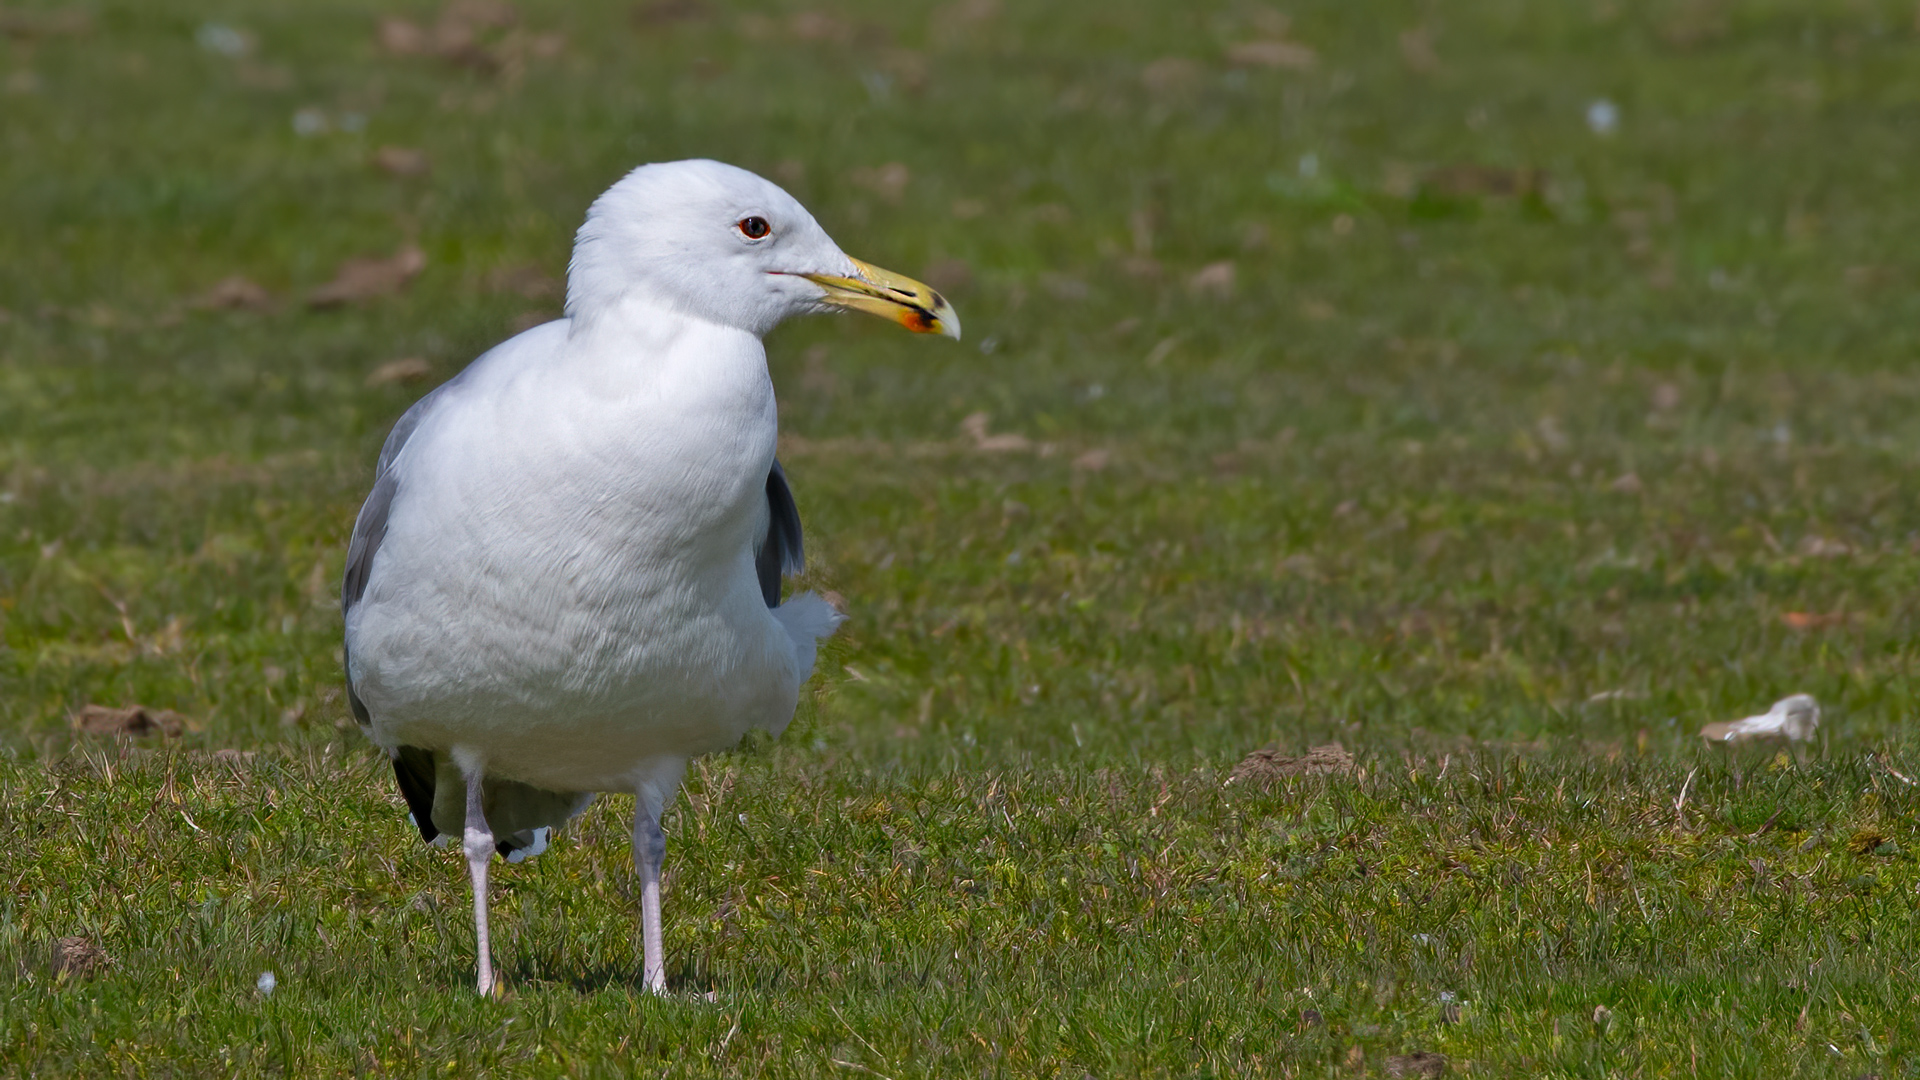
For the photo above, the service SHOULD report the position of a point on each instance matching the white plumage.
(1791, 719)
(566, 578)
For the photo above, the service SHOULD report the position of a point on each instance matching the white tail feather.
(807, 618)
(537, 844)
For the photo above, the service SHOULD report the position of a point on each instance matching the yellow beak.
(913, 304)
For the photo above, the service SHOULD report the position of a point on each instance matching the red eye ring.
(754, 228)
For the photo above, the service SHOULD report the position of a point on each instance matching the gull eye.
(754, 228)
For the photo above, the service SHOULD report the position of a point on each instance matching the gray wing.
(781, 552)
(370, 528)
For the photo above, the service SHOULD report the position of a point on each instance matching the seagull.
(567, 577)
(1791, 719)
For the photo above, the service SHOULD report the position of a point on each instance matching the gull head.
(724, 245)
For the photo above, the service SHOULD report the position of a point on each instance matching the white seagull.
(567, 577)
(1791, 719)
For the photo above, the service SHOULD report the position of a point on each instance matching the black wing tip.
(414, 769)
(785, 520)
(359, 708)
(784, 551)
(360, 711)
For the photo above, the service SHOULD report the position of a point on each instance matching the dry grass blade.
(407, 369)
(1680, 804)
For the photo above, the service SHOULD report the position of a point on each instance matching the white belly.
(564, 707)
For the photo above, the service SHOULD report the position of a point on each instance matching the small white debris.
(1605, 696)
(309, 122)
(1793, 719)
(265, 983)
(1603, 117)
(223, 39)
(1309, 166)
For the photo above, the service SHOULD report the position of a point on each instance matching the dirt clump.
(132, 720)
(77, 957)
(1420, 1063)
(1262, 767)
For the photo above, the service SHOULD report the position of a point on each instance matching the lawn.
(1499, 390)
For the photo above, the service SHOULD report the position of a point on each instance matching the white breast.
(567, 577)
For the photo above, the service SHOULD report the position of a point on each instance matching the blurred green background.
(1509, 383)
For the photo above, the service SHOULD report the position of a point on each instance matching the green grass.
(1439, 467)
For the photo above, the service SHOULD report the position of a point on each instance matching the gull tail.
(807, 618)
